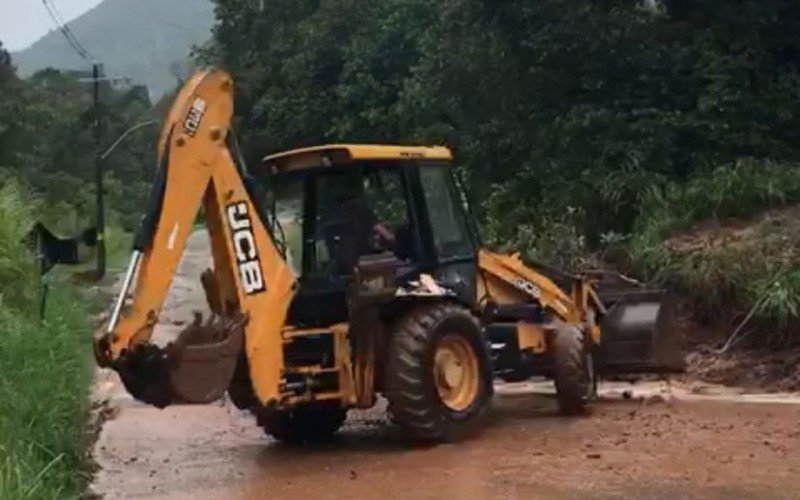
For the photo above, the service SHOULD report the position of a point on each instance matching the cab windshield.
(328, 219)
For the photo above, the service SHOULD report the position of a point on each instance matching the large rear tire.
(304, 424)
(438, 378)
(573, 379)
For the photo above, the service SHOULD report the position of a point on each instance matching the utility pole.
(98, 165)
(79, 49)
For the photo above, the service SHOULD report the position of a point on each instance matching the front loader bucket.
(195, 369)
(638, 334)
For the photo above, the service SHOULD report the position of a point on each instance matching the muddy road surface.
(641, 441)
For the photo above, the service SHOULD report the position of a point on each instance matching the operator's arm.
(384, 233)
(377, 229)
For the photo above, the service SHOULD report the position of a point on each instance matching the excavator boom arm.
(253, 284)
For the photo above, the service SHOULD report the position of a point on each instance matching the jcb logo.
(528, 287)
(194, 117)
(244, 245)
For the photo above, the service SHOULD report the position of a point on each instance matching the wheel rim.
(455, 372)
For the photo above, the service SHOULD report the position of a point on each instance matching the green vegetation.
(46, 370)
(47, 141)
(727, 270)
(553, 104)
(46, 374)
(16, 266)
(47, 152)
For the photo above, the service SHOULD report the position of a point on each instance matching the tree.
(46, 141)
(6, 68)
(553, 107)
(7, 105)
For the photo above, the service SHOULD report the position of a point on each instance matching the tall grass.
(725, 282)
(18, 280)
(45, 370)
(742, 189)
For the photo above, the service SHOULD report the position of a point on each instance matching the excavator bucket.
(194, 369)
(639, 334)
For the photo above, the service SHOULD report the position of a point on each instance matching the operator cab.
(333, 205)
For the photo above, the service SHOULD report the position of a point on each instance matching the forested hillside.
(581, 126)
(585, 104)
(47, 142)
(148, 41)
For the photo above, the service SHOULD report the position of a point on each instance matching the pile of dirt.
(770, 237)
(767, 370)
(756, 369)
(778, 224)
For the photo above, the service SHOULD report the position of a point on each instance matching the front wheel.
(438, 375)
(574, 372)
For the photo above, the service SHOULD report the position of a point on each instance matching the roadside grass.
(756, 268)
(17, 269)
(45, 370)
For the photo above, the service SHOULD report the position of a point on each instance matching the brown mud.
(769, 370)
(648, 440)
(782, 224)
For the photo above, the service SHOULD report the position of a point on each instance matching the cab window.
(448, 222)
(287, 202)
(359, 212)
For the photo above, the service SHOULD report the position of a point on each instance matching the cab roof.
(341, 154)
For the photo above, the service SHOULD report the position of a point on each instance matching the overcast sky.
(22, 22)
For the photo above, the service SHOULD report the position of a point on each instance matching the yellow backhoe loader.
(344, 272)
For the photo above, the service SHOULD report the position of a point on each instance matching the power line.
(173, 25)
(68, 29)
(57, 11)
(55, 15)
(75, 46)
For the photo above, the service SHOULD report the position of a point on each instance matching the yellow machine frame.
(252, 286)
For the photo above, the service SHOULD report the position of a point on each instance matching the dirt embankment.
(780, 225)
(767, 353)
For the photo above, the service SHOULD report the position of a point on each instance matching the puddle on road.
(669, 390)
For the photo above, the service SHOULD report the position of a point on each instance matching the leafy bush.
(779, 298)
(743, 188)
(554, 239)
